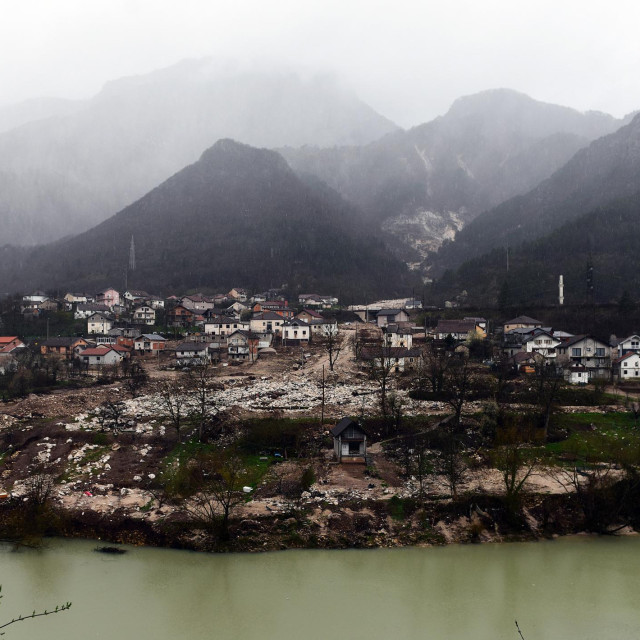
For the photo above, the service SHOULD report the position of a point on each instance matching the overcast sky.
(408, 59)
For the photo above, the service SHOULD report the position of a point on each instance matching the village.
(207, 421)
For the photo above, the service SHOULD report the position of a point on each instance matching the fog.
(409, 61)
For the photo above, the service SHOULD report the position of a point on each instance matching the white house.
(395, 336)
(192, 351)
(296, 332)
(266, 322)
(590, 352)
(224, 326)
(98, 323)
(100, 356)
(629, 345)
(627, 367)
(541, 342)
(577, 374)
(144, 315)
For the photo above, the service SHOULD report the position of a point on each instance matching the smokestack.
(561, 291)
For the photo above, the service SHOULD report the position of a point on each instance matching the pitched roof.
(456, 326)
(192, 346)
(151, 336)
(344, 424)
(390, 312)
(575, 339)
(60, 342)
(96, 351)
(523, 320)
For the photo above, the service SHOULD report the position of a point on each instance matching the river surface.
(578, 588)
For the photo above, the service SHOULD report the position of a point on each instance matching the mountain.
(239, 216)
(607, 238)
(62, 175)
(609, 168)
(424, 184)
(15, 115)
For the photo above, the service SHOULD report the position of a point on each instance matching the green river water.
(577, 588)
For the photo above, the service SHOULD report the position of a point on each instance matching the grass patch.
(611, 437)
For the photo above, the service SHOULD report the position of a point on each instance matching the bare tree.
(547, 386)
(450, 463)
(332, 342)
(512, 458)
(457, 386)
(221, 492)
(111, 416)
(379, 364)
(136, 377)
(175, 404)
(201, 382)
(433, 366)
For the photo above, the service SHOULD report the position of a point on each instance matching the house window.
(600, 352)
(576, 352)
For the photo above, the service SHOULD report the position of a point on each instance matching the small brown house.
(349, 441)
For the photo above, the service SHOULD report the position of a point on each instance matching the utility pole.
(322, 409)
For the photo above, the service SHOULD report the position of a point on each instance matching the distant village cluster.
(237, 327)
(233, 327)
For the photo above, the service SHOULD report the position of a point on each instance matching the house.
(149, 343)
(10, 346)
(525, 362)
(34, 298)
(396, 336)
(592, 353)
(243, 346)
(83, 311)
(108, 297)
(100, 356)
(63, 347)
(266, 322)
(577, 373)
(238, 294)
(627, 367)
(396, 359)
(281, 307)
(296, 332)
(135, 296)
(197, 302)
(71, 299)
(308, 315)
(629, 345)
(349, 441)
(461, 330)
(192, 351)
(521, 322)
(389, 316)
(98, 323)
(481, 322)
(180, 316)
(542, 342)
(323, 328)
(156, 302)
(224, 326)
(237, 307)
(319, 302)
(144, 315)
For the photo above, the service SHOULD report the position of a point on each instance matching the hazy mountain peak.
(62, 176)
